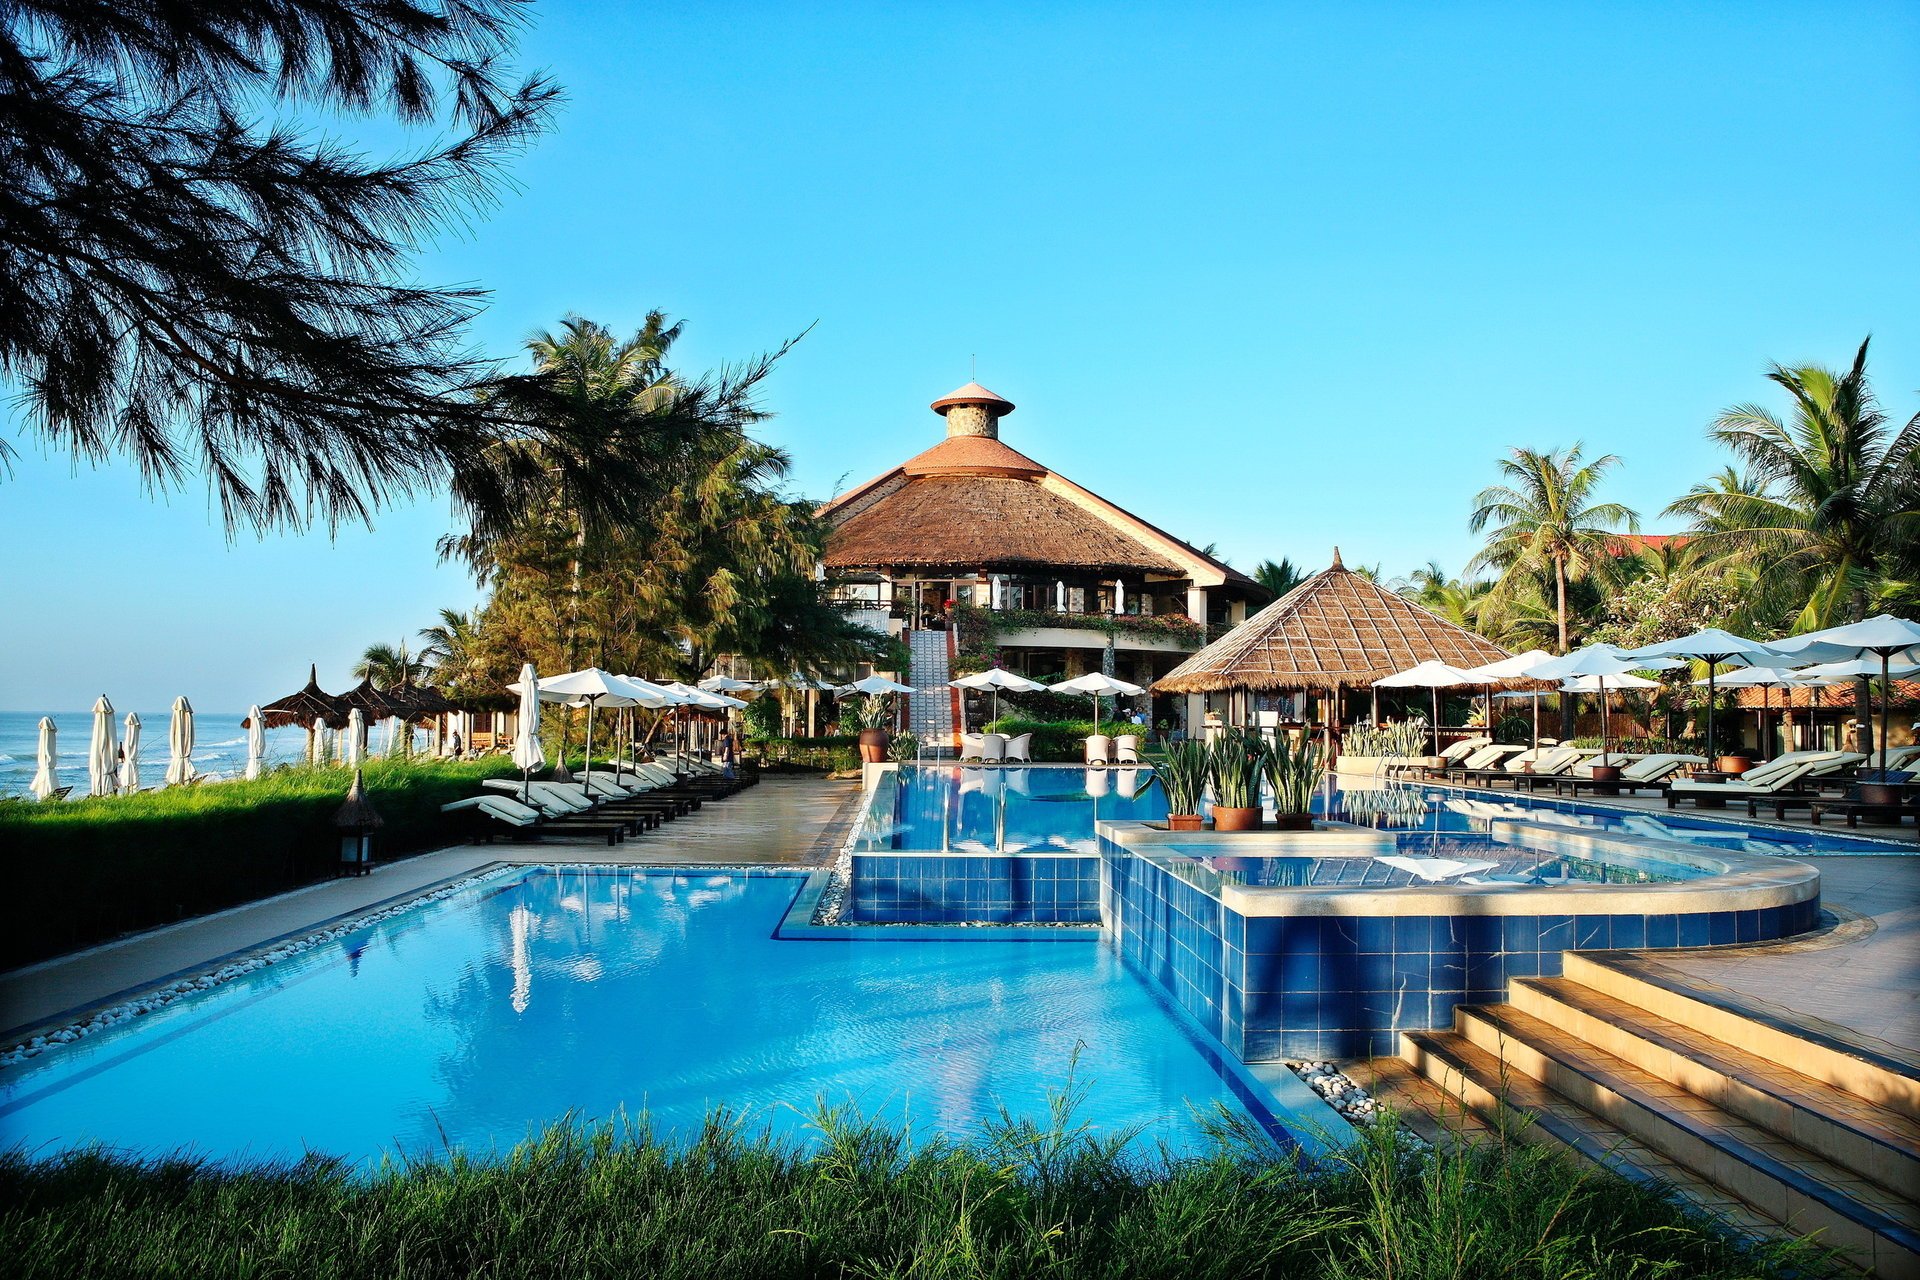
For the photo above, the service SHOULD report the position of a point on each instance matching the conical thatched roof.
(306, 707)
(1336, 628)
(374, 703)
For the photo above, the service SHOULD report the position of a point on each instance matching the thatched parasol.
(374, 703)
(306, 708)
(1335, 630)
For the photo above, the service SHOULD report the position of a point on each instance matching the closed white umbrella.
(1433, 675)
(180, 768)
(1883, 636)
(130, 756)
(46, 778)
(256, 743)
(527, 753)
(1096, 685)
(354, 749)
(103, 752)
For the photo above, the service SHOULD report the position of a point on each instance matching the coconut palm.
(1455, 599)
(1279, 576)
(1825, 519)
(388, 666)
(1547, 527)
(447, 654)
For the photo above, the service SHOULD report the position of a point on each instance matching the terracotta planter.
(1733, 765)
(1226, 818)
(873, 745)
(1293, 822)
(1184, 822)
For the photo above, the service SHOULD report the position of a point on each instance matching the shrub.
(86, 870)
(831, 752)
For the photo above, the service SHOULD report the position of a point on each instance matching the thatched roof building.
(1335, 630)
(308, 707)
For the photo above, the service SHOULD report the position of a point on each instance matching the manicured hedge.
(87, 870)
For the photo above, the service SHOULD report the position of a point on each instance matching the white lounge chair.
(993, 748)
(1099, 749)
(972, 745)
(1126, 749)
(1767, 780)
(528, 820)
(1020, 747)
(1649, 773)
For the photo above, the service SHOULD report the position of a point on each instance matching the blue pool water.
(472, 1020)
(975, 810)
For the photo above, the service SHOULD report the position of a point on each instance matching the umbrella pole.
(1435, 691)
(1886, 707)
(1536, 721)
(1605, 733)
(1710, 756)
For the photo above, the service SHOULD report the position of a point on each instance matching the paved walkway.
(780, 822)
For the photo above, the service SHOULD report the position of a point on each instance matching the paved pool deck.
(784, 821)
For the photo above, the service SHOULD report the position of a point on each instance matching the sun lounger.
(1456, 753)
(1649, 773)
(494, 813)
(574, 798)
(1483, 759)
(1544, 764)
(1769, 779)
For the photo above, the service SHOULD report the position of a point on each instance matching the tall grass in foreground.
(88, 869)
(861, 1200)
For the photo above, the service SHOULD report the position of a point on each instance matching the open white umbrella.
(1433, 675)
(1765, 679)
(527, 753)
(1512, 669)
(1096, 685)
(46, 778)
(1606, 663)
(1882, 636)
(130, 755)
(1716, 648)
(1607, 684)
(103, 751)
(354, 749)
(877, 684)
(996, 679)
(591, 688)
(726, 684)
(256, 743)
(180, 768)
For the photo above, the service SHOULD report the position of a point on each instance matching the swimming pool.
(471, 1021)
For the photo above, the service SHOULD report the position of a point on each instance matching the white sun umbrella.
(1606, 663)
(1882, 636)
(103, 752)
(130, 755)
(726, 684)
(878, 684)
(997, 679)
(1097, 684)
(1433, 675)
(1607, 684)
(1765, 679)
(593, 688)
(256, 743)
(354, 749)
(1516, 668)
(1716, 648)
(180, 768)
(46, 778)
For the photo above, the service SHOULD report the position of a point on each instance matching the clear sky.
(1274, 276)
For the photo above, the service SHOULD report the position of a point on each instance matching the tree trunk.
(1560, 606)
(1863, 714)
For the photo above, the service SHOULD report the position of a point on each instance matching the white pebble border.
(160, 997)
(833, 899)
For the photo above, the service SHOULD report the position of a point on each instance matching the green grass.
(89, 869)
(1025, 1201)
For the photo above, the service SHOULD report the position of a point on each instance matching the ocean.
(219, 748)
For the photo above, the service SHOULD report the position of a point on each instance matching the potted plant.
(1182, 774)
(905, 748)
(1293, 771)
(875, 714)
(1238, 760)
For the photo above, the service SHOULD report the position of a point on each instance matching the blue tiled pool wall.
(1338, 987)
(975, 889)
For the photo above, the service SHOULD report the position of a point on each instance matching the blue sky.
(1275, 277)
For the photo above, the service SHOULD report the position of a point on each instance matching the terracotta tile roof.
(984, 522)
(973, 393)
(979, 454)
(1336, 628)
(1834, 697)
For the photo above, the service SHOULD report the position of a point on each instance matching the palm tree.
(388, 666)
(449, 650)
(1279, 577)
(1826, 517)
(1455, 599)
(1546, 525)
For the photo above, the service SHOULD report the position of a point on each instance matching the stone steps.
(930, 708)
(1681, 1086)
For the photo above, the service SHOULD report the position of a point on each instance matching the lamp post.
(356, 821)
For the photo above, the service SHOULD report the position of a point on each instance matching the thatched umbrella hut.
(310, 708)
(1333, 632)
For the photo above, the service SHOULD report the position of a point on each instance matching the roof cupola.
(973, 411)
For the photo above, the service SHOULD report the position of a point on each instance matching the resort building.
(974, 553)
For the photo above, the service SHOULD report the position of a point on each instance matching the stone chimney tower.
(973, 411)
